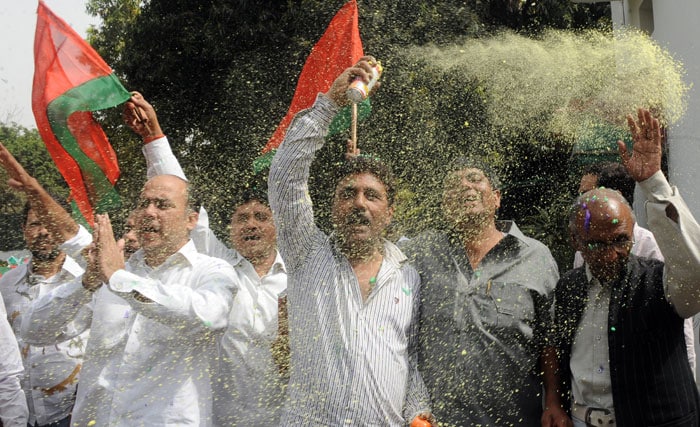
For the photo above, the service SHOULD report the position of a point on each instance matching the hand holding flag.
(338, 91)
(364, 72)
(70, 82)
(338, 48)
(141, 117)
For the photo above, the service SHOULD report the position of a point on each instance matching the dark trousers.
(61, 423)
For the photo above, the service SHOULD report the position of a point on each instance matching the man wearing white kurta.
(155, 320)
(248, 387)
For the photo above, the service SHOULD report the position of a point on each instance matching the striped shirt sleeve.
(288, 181)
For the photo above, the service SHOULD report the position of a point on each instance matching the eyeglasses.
(618, 245)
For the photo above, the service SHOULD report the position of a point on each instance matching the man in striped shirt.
(352, 297)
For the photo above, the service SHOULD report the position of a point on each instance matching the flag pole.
(353, 129)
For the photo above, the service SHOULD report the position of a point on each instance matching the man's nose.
(466, 182)
(360, 201)
(150, 209)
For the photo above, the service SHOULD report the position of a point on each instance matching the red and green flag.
(70, 82)
(340, 47)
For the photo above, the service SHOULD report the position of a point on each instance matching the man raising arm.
(353, 298)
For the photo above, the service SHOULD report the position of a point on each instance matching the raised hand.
(141, 117)
(19, 179)
(645, 159)
(109, 257)
(91, 277)
(52, 215)
(338, 89)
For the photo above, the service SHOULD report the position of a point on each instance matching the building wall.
(676, 28)
(674, 25)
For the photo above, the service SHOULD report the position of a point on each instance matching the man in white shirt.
(156, 319)
(248, 388)
(13, 404)
(51, 368)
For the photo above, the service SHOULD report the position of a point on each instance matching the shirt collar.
(278, 266)
(188, 252)
(69, 266)
(590, 277)
(392, 253)
(511, 229)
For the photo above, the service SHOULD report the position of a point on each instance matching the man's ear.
(192, 218)
(390, 211)
(497, 198)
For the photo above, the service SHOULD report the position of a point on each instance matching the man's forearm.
(678, 236)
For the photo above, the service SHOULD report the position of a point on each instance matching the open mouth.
(251, 238)
(149, 229)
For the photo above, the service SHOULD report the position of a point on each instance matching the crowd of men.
(289, 325)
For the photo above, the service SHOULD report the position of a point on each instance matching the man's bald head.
(164, 217)
(602, 226)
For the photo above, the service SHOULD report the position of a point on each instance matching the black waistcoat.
(652, 383)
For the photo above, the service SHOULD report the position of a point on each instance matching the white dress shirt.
(51, 370)
(248, 388)
(13, 404)
(147, 363)
(590, 365)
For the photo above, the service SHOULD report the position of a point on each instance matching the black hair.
(365, 163)
(60, 200)
(591, 169)
(250, 194)
(476, 162)
(614, 176)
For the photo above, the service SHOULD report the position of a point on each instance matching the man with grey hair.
(615, 177)
(618, 356)
(485, 306)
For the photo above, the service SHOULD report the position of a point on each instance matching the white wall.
(676, 29)
(674, 25)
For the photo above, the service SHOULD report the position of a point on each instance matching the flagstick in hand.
(353, 129)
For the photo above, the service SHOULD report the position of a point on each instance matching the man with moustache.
(486, 298)
(129, 242)
(156, 319)
(353, 298)
(52, 368)
(618, 355)
(248, 387)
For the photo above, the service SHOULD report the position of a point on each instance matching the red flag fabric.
(70, 82)
(339, 48)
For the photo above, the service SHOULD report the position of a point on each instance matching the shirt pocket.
(505, 305)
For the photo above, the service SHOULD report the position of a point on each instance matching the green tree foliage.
(26, 145)
(221, 74)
